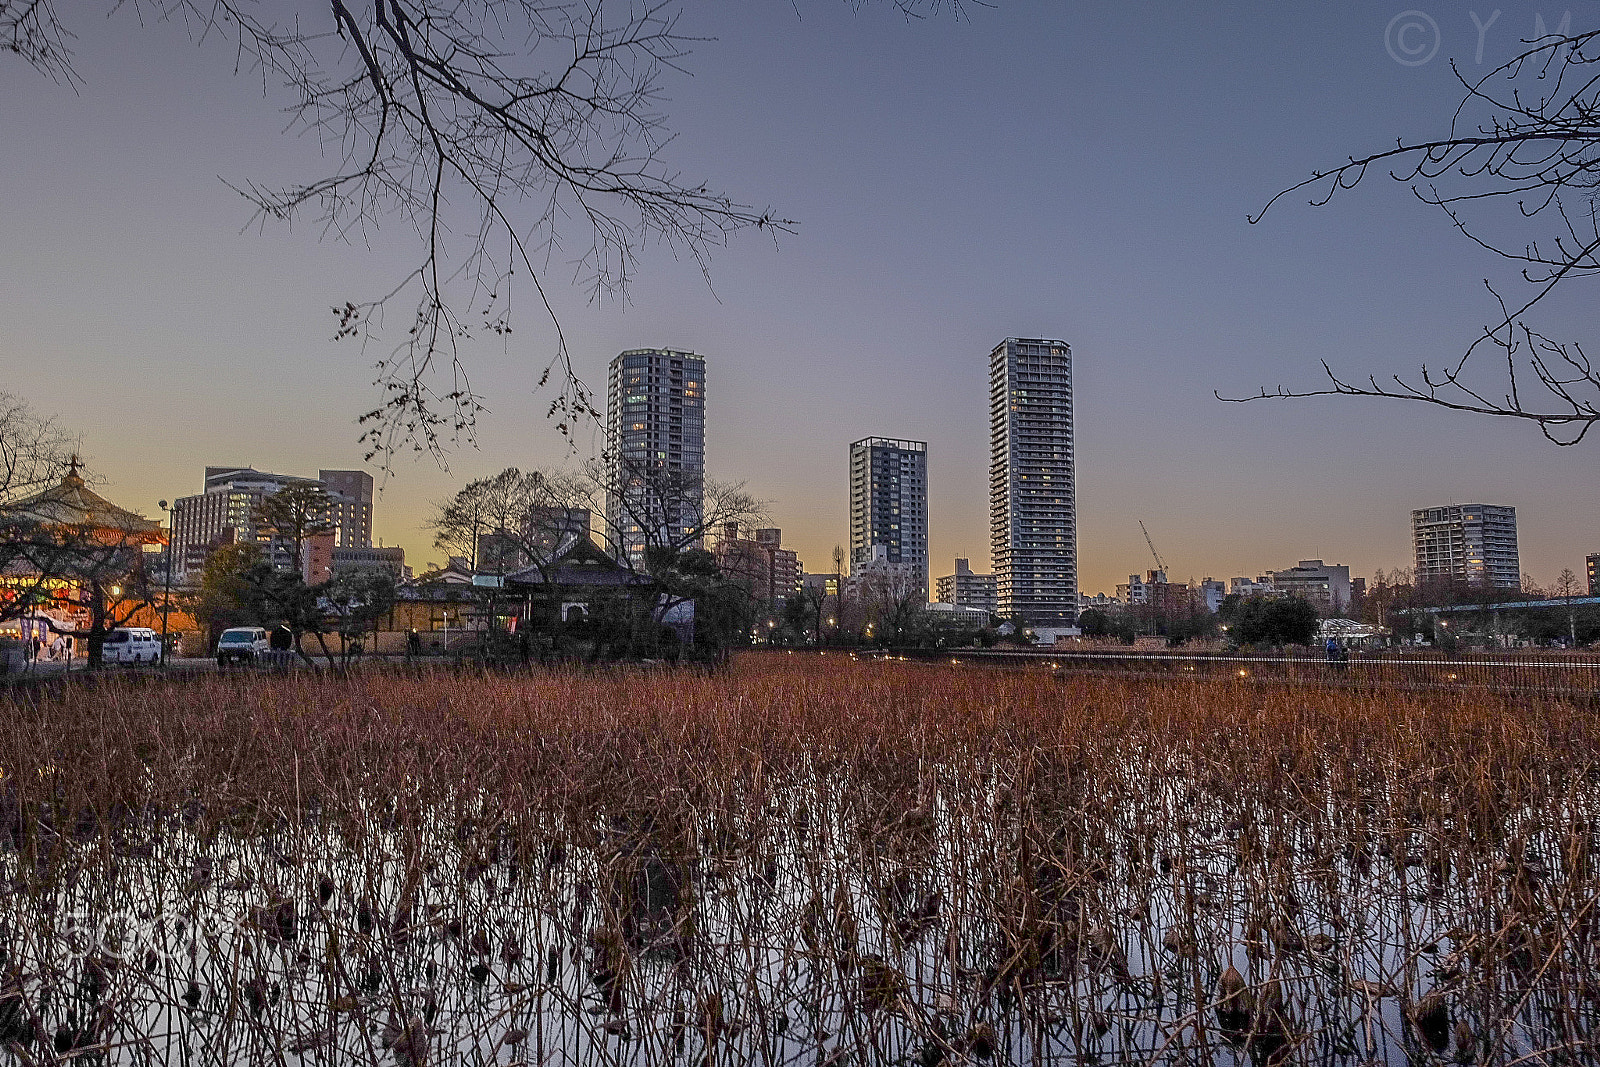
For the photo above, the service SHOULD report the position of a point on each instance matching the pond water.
(994, 916)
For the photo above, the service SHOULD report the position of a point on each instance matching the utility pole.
(166, 596)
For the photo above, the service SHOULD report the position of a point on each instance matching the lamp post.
(166, 594)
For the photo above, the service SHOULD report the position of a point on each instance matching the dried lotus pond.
(798, 860)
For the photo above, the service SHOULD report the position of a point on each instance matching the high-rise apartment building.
(1033, 524)
(656, 433)
(1592, 561)
(1475, 543)
(889, 503)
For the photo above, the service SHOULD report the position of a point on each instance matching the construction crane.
(1159, 563)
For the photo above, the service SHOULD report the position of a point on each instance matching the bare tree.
(61, 546)
(514, 519)
(43, 540)
(892, 596)
(810, 606)
(517, 519)
(657, 519)
(1524, 138)
(34, 450)
(654, 512)
(1567, 587)
(34, 454)
(517, 138)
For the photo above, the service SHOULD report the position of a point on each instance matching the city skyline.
(143, 317)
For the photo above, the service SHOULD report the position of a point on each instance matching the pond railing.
(1540, 672)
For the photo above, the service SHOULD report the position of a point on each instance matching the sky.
(1073, 170)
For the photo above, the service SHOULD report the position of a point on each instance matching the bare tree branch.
(1527, 133)
(515, 137)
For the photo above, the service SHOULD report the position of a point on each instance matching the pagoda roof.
(73, 503)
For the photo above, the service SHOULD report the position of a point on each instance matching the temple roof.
(72, 503)
(581, 562)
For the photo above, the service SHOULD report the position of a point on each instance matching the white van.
(131, 644)
(242, 644)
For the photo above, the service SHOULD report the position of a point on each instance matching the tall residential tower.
(889, 503)
(1473, 543)
(656, 433)
(1033, 519)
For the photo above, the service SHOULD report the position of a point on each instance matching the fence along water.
(1510, 673)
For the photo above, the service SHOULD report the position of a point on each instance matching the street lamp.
(166, 596)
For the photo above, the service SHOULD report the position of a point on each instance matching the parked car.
(241, 644)
(131, 644)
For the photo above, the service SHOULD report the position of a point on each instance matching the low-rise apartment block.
(967, 589)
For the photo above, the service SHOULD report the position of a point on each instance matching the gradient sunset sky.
(1080, 170)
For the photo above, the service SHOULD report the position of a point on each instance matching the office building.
(1593, 562)
(655, 428)
(889, 503)
(965, 589)
(1033, 530)
(880, 579)
(225, 513)
(392, 560)
(1154, 591)
(1472, 543)
(1259, 586)
(1212, 591)
(1326, 586)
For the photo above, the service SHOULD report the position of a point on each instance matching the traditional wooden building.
(75, 562)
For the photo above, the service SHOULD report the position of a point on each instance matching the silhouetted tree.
(1273, 620)
(35, 453)
(1095, 622)
(354, 601)
(296, 513)
(223, 598)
